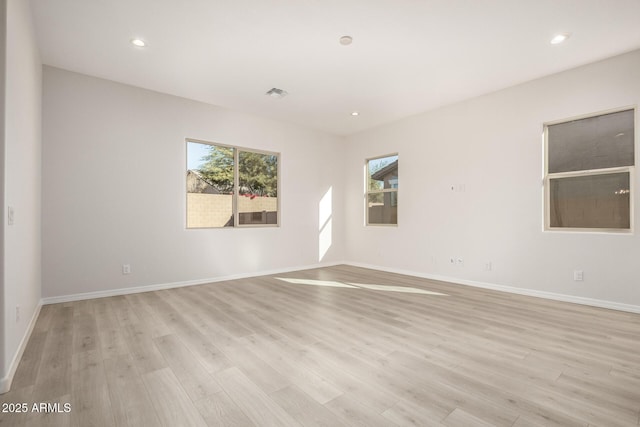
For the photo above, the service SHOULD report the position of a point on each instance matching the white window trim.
(590, 172)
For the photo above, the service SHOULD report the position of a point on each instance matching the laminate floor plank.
(613, 396)
(539, 398)
(196, 311)
(17, 395)
(330, 346)
(605, 380)
(195, 379)
(124, 312)
(298, 369)
(89, 391)
(130, 400)
(544, 420)
(171, 402)
(142, 305)
(44, 318)
(85, 331)
(110, 335)
(195, 332)
(408, 413)
(425, 379)
(219, 410)
(54, 373)
(354, 413)
(287, 325)
(144, 353)
(27, 371)
(255, 403)
(482, 390)
(362, 382)
(337, 330)
(459, 418)
(254, 366)
(468, 355)
(208, 304)
(619, 372)
(307, 411)
(51, 418)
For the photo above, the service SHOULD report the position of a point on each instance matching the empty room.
(319, 213)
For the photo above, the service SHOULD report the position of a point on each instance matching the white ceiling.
(407, 56)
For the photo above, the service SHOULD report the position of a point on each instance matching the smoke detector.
(346, 40)
(274, 92)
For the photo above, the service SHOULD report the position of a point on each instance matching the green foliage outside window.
(217, 168)
(258, 173)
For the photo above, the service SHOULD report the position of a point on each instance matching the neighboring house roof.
(196, 183)
(380, 174)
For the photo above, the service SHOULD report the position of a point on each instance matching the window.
(230, 185)
(589, 173)
(382, 190)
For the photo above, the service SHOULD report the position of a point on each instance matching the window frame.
(547, 177)
(367, 192)
(236, 187)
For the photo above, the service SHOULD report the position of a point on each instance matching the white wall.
(493, 146)
(114, 189)
(22, 181)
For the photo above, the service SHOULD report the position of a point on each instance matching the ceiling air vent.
(274, 92)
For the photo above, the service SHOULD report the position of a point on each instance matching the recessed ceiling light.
(346, 40)
(274, 92)
(559, 38)
(355, 113)
(138, 42)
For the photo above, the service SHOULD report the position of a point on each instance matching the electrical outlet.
(10, 215)
(487, 266)
(126, 268)
(452, 260)
(17, 313)
(460, 262)
(578, 275)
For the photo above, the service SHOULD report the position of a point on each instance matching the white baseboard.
(5, 383)
(161, 286)
(510, 289)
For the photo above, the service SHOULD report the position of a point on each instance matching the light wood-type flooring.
(330, 347)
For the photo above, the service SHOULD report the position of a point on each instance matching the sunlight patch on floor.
(391, 288)
(316, 282)
(372, 287)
